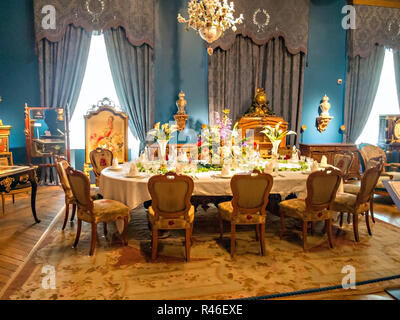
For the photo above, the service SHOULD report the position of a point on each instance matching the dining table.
(133, 192)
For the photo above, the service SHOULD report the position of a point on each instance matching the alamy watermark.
(49, 278)
(349, 280)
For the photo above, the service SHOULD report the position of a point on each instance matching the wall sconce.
(181, 117)
(324, 117)
(60, 114)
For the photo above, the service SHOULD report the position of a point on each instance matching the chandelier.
(211, 18)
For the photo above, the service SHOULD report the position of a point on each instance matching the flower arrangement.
(276, 134)
(163, 132)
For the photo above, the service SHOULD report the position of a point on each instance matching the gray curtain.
(396, 56)
(363, 76)
(62, 67)
(132, 69)
(235, 74)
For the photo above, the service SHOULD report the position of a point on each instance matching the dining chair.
(322, 187)
(360, 203)
(94, 212)
(355, 188)
(171, 208)
(343, 161)
(100, 159)
(248, 205)
(389, 170)
(61, 166)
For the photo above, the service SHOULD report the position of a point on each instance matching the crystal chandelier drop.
(211, 18)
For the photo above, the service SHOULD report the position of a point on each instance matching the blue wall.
(18, 69)
(326, 64)
(181, 64)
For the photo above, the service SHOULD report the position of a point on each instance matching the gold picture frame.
(107, 128)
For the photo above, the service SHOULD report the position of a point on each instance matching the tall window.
(386, 101)
(97, 84)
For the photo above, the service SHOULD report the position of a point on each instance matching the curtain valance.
(268, 19)
(374, 25)
(135, 16)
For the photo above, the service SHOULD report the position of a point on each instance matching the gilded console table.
(12, 177)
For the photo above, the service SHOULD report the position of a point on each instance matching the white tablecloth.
(133, 191)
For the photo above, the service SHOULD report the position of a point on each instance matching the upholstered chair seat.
(248, 206)
(296, 208)
(171, 208)
(169, 222)
(94, 212)
(104, 211)
(226, 210)
(322, 187)
(359, 203)
(346, 202)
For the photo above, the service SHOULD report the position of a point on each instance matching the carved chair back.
(343, 161)
(322, 187)
(100, 159)
(61, 167)
(170, 194)
(369, 180)
(251, 192)
(80, 186)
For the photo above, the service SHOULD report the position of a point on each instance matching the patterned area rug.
(117, 272)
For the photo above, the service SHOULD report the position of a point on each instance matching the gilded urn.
(261, 97)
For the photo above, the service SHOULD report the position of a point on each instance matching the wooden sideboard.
(316, 151)
(258, 124)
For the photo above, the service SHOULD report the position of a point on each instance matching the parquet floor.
(19, 233)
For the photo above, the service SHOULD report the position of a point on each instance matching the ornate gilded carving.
(260, 106)
(24, 178)
(6, 183)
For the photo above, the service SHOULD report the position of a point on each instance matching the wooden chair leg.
(367, 222)
(328, 225)
(3, 203)
(221, 226)
(73, 212)
(371, 206)
(262, 238)
(233, 240)
(66, 215)
(78, 233)
(105, 229)
(94, 238)
(257, 232)
(191, 232)
(348, 217)
(312, 227)
(187, 244)
(355, 227)
(305, 227)
(13, 198)
(154, 244)
(341, 219)
(124, 238)
(283, 226)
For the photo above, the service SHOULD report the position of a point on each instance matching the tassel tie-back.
(135, 16)
(268, 19)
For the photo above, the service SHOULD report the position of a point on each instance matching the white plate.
(115, 168)
(133, 177)
(222, 177)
